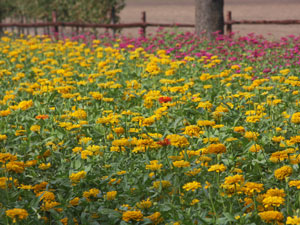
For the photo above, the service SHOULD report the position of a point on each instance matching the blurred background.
(157, 11)
(183, 11)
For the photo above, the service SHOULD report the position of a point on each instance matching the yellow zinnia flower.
(111, 195)
(181, 164)
(271, 216)
(132, 215)
(192, 186)
(283, 172)
(293, 220)
(16, 213)
(76, 177)
(217, 168)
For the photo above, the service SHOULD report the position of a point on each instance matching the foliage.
(170, 129)
(93, 11)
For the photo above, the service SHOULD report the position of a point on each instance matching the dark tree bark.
(209, 17)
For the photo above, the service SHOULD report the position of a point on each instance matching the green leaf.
(165, 208)
(229, 217)
(109, 212)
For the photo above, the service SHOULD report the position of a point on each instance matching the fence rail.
(229, 22)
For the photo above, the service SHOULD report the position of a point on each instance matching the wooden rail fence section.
(229, 22)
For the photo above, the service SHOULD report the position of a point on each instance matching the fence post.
(1, 28)
(12, 28)
(27, 21)
(19, 28)
(22, 28)
(55, 27)
(113, 19)
(144, 26)
(35, 28)
(228, 25)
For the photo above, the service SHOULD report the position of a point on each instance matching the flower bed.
(167, 129)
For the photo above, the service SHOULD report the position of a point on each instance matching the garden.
(165, 129)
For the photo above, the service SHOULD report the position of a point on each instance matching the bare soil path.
(183, 11)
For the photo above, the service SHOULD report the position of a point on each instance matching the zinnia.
(132, 215)
(255, 148)
(3, 137)
(293, 220)
(296, 118)
(251, 135)
(156, 218)
(192, 186)
(178, 140)
(76, 177)
(271, 216)
(43, 117)
(217, 167)
(164, 142)
(164, 99)
(283, 172)
(216, 148)
(16, 213)
(111, 195)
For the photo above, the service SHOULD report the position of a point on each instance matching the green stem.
(213, 206)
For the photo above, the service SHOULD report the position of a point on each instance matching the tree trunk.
(209, 17)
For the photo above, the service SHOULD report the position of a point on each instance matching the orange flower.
(43, 117)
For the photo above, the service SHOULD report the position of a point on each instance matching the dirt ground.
(183, 11)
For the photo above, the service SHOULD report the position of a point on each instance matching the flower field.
(169, 129)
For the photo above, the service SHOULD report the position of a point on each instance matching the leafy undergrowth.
(169, 129)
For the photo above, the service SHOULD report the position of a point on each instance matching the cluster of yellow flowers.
(130, 133)
(16, 213)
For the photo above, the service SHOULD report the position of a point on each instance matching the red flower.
(164, 142)
(164, 99)
(43, 117)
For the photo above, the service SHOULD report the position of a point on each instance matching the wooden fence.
(229, 22)
(56, 25)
